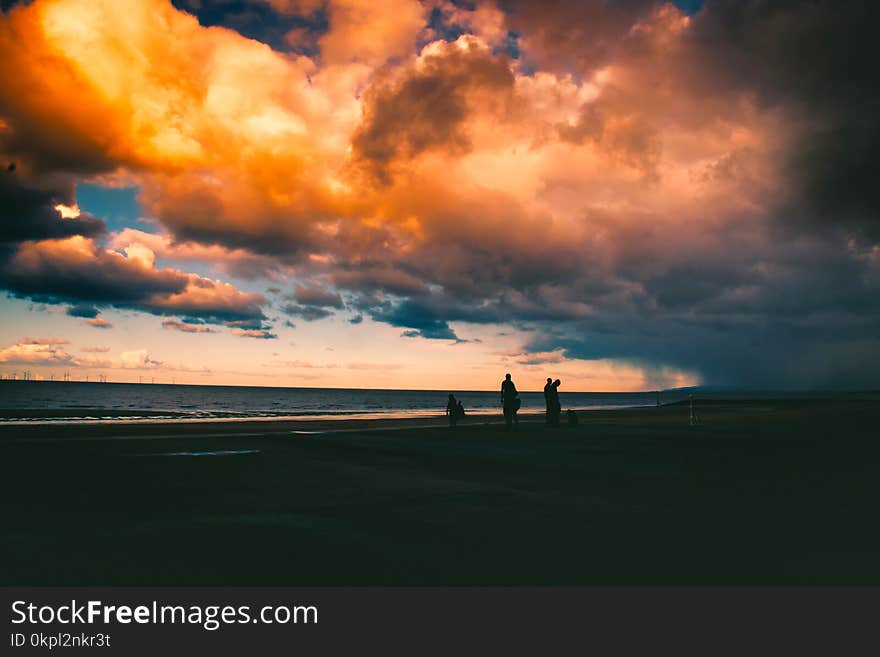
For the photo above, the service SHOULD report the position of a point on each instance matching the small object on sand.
(11, 167)
(572, 418)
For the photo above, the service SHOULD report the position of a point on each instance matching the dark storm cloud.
(308, 313)
(819, 56)
(420, 317)
(312, 303)
(827, 351)
(371, 276)
(29, 214)
(9, 4)
(574, 36)
(437, 330)
(83, 310)
(803, 319)
(425, 107)
(317, 296)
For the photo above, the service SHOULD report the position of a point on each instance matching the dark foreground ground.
(762, 493)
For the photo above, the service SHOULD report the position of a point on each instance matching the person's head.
(451, 396)
(557, 382)
(549, 380)
(507, 376)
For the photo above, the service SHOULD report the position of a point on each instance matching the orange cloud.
(98, 322)
(370, 32)
(253, 333)
(427, 105)
(240, 146)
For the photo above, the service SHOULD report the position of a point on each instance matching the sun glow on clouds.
(435, 187)
(67, 211)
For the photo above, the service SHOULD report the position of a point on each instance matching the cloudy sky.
(625, 194)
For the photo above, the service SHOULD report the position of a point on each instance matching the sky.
(624, 194)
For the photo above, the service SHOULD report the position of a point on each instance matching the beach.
(763, 491)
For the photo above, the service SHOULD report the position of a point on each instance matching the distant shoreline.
(11, 418)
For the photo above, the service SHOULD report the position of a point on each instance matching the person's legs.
(507, 418)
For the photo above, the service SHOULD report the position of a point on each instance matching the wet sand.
(764, 492)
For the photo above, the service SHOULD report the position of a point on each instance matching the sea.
(75, 402)
(57, 402)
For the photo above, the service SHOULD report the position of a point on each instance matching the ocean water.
(46, 401)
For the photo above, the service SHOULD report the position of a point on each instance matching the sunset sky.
(624, 194)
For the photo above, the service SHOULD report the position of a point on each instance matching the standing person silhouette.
(452, 410)
(509, 402)
(554, 407)
(548, 395)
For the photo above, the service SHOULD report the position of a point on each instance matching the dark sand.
(765, 492)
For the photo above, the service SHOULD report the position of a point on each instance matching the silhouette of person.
(548, 395)
(509, 402)
(453, 407)
(555, 406)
